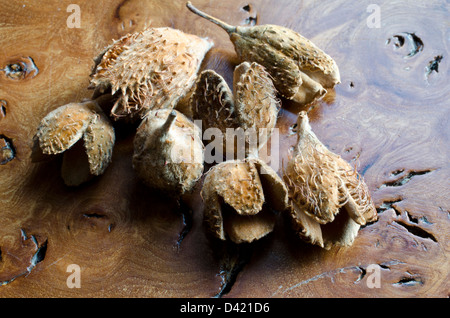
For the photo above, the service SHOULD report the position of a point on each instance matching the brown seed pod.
(239, 196)
(168, 152)
(62, 128)
(330, 201)
(251, 107)
(152, 69)
(302, 72)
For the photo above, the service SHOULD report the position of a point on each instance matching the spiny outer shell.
(238, 184)
(234, 194)
(291, 59)
(320, 183)
(65, 126)
(171, 160)
(152, 69)
(212, 101)
(255, 98)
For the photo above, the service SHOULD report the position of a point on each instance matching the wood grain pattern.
(389, 116)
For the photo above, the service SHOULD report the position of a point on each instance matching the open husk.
(168, 152)
(61, 130)
(240, 198)
(301, 71)
(329, 199)
(151, 69)
(249, 112)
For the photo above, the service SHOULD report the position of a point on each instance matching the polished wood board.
(389, 117)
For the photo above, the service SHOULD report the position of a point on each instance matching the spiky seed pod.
(63, 127)
(152, 69)
(251, 107)
(239, 196)
(301, 71)
(324, 189)
(168, 152)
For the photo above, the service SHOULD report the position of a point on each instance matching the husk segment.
(301, 71)
(251, 110)
(322, 185)
(150, 70)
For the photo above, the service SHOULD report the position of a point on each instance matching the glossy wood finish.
(389, 116)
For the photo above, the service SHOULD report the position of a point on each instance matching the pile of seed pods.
(149, 72)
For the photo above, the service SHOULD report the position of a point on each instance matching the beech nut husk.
(149, 70)
(302, 72)
(240, 198)
(60, 132)
(168, 152)
(329, 199)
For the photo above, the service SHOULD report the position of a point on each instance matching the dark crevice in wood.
(414, 42)
(363, 273)
(7, 150)
(234, 260)
(386, 205)
(409, 281)
(251, 20)
(417, 231)
(3, 105)
(433, 66)
(21, 68)
(37, 257)
(94, 215)
(405, 179)
(188, 221)
(23, 235)
(417, 220)
(384, 265)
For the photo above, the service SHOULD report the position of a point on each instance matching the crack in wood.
(234, 259)
(37, 257)
(3, 105)
(331, 274)
(7, 150)
(188, 221)
(409, 281)
(386, 205)
(433, 66)
(405, 179)
(416, 230)
(413, 228)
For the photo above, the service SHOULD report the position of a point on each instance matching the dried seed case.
(301, 71)
(65, 126)
(329, 199)
(236, 197)
(168, 152)
(150, 70)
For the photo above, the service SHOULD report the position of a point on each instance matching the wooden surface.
(390, 116)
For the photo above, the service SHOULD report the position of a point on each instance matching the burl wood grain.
(389, 116)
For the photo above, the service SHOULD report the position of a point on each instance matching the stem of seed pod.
(229, 28)
(166, 127)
